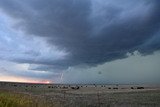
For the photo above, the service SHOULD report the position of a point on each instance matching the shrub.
(140, 87)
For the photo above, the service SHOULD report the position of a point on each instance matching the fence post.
(98, 96)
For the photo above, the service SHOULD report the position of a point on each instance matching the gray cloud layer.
(91, 32)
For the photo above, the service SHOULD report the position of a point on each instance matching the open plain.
(60, 95)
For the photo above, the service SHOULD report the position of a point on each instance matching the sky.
(80, 41)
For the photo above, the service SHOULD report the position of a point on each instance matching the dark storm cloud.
(91, 37)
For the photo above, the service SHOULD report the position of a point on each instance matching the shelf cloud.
(74, 33)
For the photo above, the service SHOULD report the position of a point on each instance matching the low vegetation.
(78, 96)
(11, 99)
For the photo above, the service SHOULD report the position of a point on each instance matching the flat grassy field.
(129, 99)
(11, 99)
(35, 95)
(18, 99)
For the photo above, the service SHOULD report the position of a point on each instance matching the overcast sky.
(80, 41)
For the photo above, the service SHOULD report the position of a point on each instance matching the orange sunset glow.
(24, 80)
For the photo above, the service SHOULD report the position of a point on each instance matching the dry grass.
(42, 96)
(10, 99)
